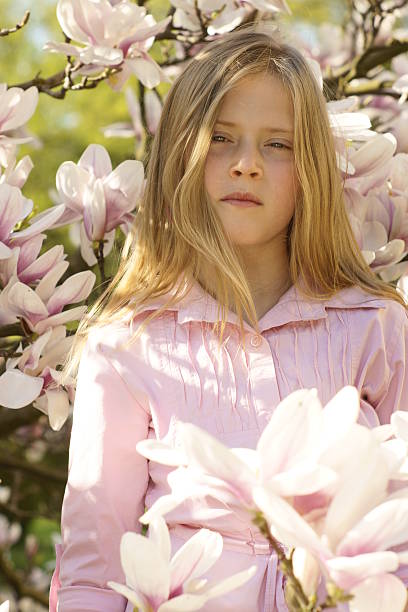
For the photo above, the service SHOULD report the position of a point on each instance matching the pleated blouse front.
(176, 371)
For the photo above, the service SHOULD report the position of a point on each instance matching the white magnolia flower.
(155, 582)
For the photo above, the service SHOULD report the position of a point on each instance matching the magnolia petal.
(47, 284)
(306, 570)
(373, 154)
(163, 505)
(303, 479)
(381, 593)
(292, 528)
(339, 414)
(69, 19)
(363, 476)
(395, 453)
(94, 202)
(22, 104)
(145, 568)
(73, 314)
(229, 584)
(183, 603)
(163, 453)
(5, 252)
(383, 432)
(159, 535)
(58, 407)
(403, 557)
(148, 72)
(18, 389)
(100, 55)
(214, 458)
(39, 223)
(374, 235)
(390, 253)
(42, 264)
(95, 160)
(195, 557)
(141, 604)
(65, 48)
(127, 177)
(347, 572)
(383, 527)
(26, 302)
(75, 289)
(293, 429)
(399, 422)
(347, 125)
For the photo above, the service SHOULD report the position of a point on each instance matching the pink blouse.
(175, 372)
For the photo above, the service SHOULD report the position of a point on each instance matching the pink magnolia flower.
(32, 377)
(343, 522)
(17, 173)
(301, 431)
(230, 14)
(158, 583)
(101, 198)
(16, 107)
(14, 208)
(26, 265)
(42, 308)
(351, 541)
(117, 35)
(376, 198)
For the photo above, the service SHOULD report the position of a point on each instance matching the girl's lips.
(242, 203)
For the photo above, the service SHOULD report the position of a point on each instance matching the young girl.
(240, 283)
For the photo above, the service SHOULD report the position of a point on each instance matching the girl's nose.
(247, 161)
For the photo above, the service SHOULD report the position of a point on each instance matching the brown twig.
(18, 26)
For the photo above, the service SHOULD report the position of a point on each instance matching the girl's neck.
(267, 273)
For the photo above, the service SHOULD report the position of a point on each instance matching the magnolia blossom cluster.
(375, 183)
(329, 488)
(91, 195)
(118, 34)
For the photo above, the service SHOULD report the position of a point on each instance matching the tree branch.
(7, 31)
(38, 471)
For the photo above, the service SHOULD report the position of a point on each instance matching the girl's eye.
(280, 145)
(218, 136)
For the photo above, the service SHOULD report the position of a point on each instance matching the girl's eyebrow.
(266, 129)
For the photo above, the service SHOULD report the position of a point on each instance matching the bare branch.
(37, 471)
(7, 31)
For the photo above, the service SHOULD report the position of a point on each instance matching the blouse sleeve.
(381, 362)
(107, 482)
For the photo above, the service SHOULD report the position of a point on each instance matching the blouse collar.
(292, 307)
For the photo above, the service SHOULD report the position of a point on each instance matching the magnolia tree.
(362, 67)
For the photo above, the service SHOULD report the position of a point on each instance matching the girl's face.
(252, 151)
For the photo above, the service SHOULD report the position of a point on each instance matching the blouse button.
(256, 341)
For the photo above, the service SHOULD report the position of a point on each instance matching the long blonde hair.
(176, 228)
